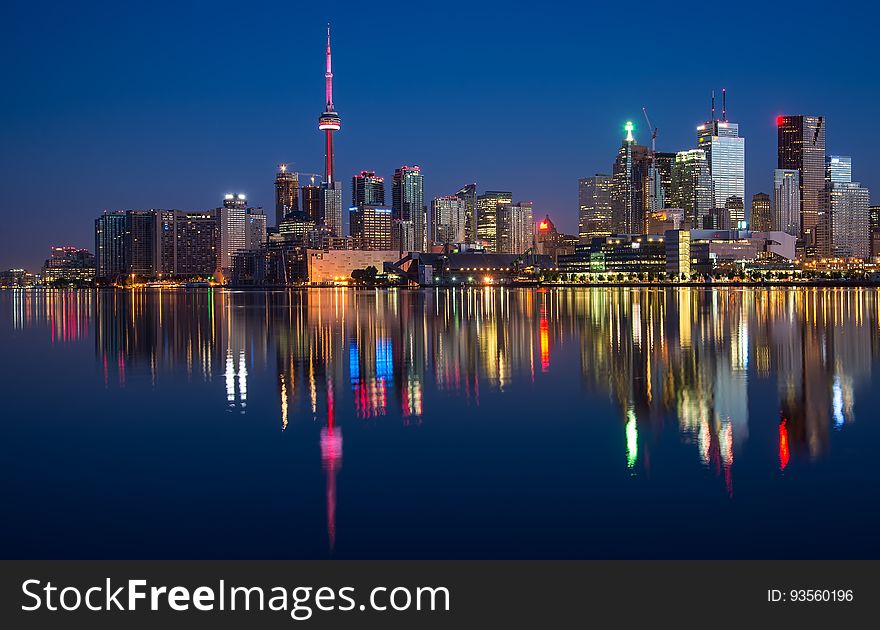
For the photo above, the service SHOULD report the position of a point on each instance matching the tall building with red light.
(801, 147)
(329, 122)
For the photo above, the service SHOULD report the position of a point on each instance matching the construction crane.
(653, 177)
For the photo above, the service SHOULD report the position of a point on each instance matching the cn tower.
(329, 120)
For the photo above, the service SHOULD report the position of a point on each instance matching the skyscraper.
(311, 202)
(594, 207)
(468, 194)
(449, 216)
(516, 227)
(329, 122)
(761, 218)
(787, 201)
(692, 187)
(197, 238)
(408, 205)
(629, 191)
(367, 188)
(874, 219)
(801, 147)
(847, 214)
(286, 193)
(233, 227)
(725, 154)
(110, 245)
(255, 229)
(141, 243)
(487, 217)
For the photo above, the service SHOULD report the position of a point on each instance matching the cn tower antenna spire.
(329, 74)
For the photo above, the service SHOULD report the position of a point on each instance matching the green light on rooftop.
(629, 127)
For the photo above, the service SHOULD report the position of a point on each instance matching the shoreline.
(510, 285)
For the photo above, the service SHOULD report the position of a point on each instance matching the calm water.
(418, 424)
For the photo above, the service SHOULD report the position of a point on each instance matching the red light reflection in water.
(545, 341)
(783, 444)
(331, 460)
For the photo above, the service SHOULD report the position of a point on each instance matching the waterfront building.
(408, 205)
(761, 217)
(468, 194)
(628, 254)
(367, 188)
(370, 227)
(787, 201)
(847, 209)
(449, 219)
(286, 193)
(335, 266)
(678, 252)
(68, 265)
(232, 216)
(487, 217)
(801, 147)
(110, 245)
(595, 207)
(515, 227)
(196, 244)
(142, 245)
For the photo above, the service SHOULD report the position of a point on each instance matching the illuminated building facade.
(408, 205)
(69, 265)
(142, 251)
(233, 227)
(196, 244)
(761, 217)
(725, 154)
(487, 217)
(311, 202)
(847, 206)
(838, 169)
(110, 245)
(594, 207)
(370, 227)
(874, 219)
(448, 219)
(787, 201)
(643, 253)
(678, 252)
(286, 193)
(468, 194)
(515, 227)
(367, 188)
(801, 147)
(629, 190)
(692, 187)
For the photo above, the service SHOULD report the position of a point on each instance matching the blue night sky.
(137, 105)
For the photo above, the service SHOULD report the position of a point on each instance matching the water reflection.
(687, 357)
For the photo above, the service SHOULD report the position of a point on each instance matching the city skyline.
(369, 140)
